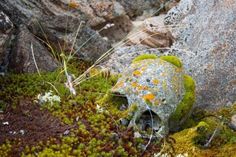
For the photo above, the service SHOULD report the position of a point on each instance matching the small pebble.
(233, 122)
(22, 132)
(114, 136)
(124, 122)
(137, 135)
(123, 107)
(66, 132)
(5, 123)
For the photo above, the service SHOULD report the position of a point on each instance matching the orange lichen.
(142, 87)
(134, 84)
(149, 97)
(137, 73)
(72, 4)
(155, 81)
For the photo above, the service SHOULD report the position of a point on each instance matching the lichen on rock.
(158, 87)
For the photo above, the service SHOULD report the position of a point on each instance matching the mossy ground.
(96, 132)
(92, 133)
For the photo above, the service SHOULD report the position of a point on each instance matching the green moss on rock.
(186, 104)
(143, 57)
(173, 60)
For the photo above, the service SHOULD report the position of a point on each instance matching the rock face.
(55, 23)
(122, 57)
(56, 30)
(121, 27)
(155, 87)
(25, 60)
(137, 7)
(205, 41)
(6, 27)
(152, 32)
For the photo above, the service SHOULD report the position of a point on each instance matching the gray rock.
(153, 88)
(136, 8)
(6, 28)
(56, 23)
(22, 60)
(61, 35)
(122, 57)
(122, 25)
(205, 41)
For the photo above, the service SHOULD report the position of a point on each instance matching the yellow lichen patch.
(73, 5)
(157, 102)
(118, 85)
(163, 74)
(137, 73)
(164, 85)
(144, 68)
(134, 84)
(142, 87)
(178, 70)
(155, 81)
(149, 97)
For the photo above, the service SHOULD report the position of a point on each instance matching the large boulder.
(6, 28)
(28, 54)
(205, 33)
(151, 32)
(60, 19)
(60, 34)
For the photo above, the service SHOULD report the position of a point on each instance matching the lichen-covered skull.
(155, 87)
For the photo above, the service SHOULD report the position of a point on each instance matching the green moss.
(143, 57)
(173, 60)
(193, 140)
(187, 102)
(5, 149)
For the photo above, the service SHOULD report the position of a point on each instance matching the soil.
(28, 124)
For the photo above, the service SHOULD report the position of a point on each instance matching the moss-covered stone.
(185, 105)
(173, 60)
(144, 56)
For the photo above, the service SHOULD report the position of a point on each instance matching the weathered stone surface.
(154, 88)
(56, 23)
(153, 33)
(205, 41)
(6, 27)
(99, 12)
(22, 60)
(122, 57)
(137, 7)
(121, 26)
(55, 30)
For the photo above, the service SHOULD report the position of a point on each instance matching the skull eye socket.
(148, 121)
(120, 101)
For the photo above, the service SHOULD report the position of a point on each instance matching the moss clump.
(194, 141)
(187, 102)
(173, 60)
(5, 149)
(143, 57)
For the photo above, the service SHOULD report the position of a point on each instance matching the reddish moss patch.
(28, 124)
